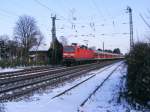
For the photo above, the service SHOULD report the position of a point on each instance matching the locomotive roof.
(77, 46)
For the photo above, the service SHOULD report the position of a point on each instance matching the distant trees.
(8, 47)
(99, 49)
(4, 38)
(3, 47)
(27, 34)
(108, 50)
(10, 51)
(117, 51)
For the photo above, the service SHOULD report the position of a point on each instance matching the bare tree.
(40, 38)
(63, 40)
(3, 46)
(10, 47)
(27, 33)
(4, 38)
(39, 42)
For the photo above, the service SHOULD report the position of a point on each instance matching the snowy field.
(104, 100)
(2, 70)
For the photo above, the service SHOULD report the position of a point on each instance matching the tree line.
(116, 50)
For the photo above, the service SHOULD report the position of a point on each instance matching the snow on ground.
(103, 101)
(2, 70)
(18, 68)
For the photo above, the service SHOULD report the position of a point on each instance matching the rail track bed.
(19, 83)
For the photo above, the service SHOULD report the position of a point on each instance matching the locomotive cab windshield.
(69, 49)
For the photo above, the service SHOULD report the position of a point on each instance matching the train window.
(69, 49)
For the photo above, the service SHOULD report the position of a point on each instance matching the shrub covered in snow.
(138, 76)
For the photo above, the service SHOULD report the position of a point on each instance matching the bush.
(18, 62)
(138, 76)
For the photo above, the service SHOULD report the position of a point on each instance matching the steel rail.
(99, 86)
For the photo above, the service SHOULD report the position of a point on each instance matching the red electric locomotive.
(77, 54)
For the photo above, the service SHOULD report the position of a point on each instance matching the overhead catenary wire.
(2, 14)
(148, 11)
(8, 12)
(76, 24)
(46, 7)
(97, 8)
(144, 20)
(7, 15)
(50, 10)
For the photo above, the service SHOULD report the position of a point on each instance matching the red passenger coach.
(99, 55)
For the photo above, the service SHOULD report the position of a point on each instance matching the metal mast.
(53, 28)
(53, 40)
(131, 27)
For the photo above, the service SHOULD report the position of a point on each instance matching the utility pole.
(86, 42)
(103, 46)
(131, 27)
(53, 28)
(53, 39)
(103, 49)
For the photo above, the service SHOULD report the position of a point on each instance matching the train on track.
(74, 54)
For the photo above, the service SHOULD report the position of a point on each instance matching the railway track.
(22, 84)
(26, 71)
(67, 90)
(99, 86)
(35, 74)
(86, 80)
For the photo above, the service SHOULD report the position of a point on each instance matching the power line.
(9, 13)
(2, 14)
(47, 8)
(148, 10)
(98, 10)
(50, 10)
(145, 21)
(41, 4)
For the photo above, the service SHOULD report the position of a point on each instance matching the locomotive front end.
(69, 54)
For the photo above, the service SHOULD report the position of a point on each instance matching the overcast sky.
(108, 16)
